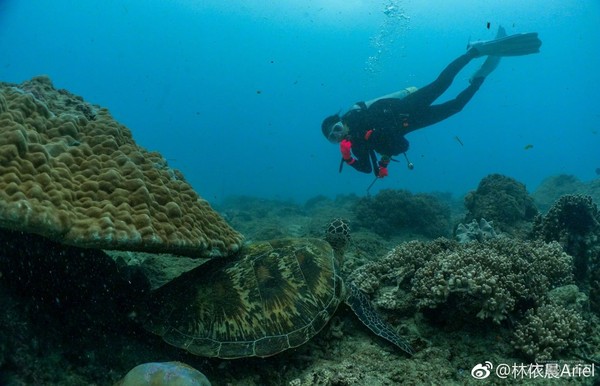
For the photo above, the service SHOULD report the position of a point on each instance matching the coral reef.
(549, 330)
(574, 222)
(164, 374)
(393, 211)
(475, 231)
(70, 172)
(71, 315)
(504, 201)
(67, 321)
(489, 280)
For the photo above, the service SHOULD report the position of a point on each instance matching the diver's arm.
(362, 165)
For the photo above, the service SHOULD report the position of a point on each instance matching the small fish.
(458, 140)
(488, 25)
(598, 171)
(528, 146)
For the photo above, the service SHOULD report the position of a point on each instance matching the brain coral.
(70, 172)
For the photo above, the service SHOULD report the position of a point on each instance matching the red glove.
(345, 147)
(383, 164)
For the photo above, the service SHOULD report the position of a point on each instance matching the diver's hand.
(345, 148)
(383, 164)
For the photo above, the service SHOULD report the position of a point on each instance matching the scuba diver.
(379, 125)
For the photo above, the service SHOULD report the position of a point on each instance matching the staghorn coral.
(502, 200)
(489, 280)
(391, 211)
(70, 172)
(549, 330)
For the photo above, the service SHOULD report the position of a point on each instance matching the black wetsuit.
(382, 126)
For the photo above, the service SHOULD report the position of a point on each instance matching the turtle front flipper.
(362, 307)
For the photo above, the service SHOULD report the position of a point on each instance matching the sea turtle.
(270, 297)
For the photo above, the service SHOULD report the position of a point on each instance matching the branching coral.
(491, 278)
(488, 280)
(549, 330)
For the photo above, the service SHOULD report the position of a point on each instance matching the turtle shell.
(271, 297)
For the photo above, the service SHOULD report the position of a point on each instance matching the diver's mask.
(337, 132)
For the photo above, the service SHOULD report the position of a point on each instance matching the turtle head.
(337, 234)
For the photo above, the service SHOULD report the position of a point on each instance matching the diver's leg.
(426, 95)
(430, 115)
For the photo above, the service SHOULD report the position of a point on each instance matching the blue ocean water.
(233, 92)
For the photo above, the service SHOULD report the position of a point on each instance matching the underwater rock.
(552, 188)
(504, 201)
(164, 374)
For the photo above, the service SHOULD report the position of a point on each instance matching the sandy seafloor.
(71, 322)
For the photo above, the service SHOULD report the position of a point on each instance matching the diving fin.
(491, 62)
(513, 45)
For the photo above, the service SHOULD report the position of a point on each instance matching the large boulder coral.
(393, 211)
(504, 201)
(447, 280)
(71, 173)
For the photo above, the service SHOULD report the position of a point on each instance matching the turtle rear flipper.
(362, 307)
